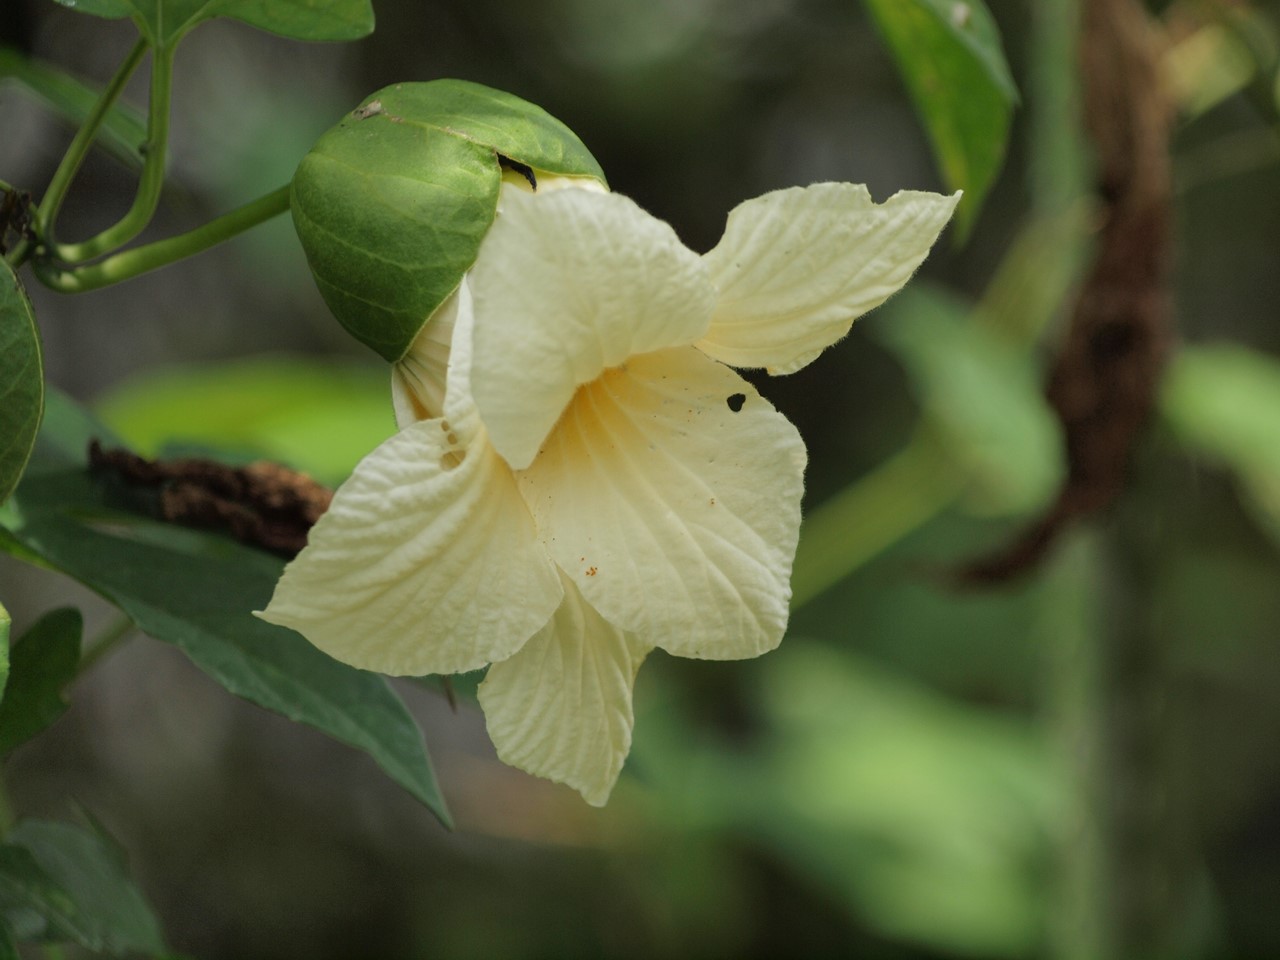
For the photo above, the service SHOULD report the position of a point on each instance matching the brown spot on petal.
(451, 460)
(592, 571)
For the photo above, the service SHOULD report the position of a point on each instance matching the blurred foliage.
(909, 775)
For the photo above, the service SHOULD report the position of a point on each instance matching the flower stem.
(149, 184)
(79, 149)
(866, 517)
(131, 263)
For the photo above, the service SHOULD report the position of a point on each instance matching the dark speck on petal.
(736, 401)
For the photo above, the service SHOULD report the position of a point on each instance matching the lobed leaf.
(197, 591)
(950, 57)
(391, 205)
(21, 381)
(43, 662)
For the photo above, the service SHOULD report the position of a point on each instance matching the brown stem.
(1103, 383)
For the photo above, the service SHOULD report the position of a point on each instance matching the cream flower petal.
(566, 286)
(426, 562)
(670, 493)
(561, 707)
(796, 267)
(418, 378)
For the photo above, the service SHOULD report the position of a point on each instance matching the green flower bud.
(391, 205)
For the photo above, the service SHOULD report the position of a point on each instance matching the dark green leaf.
(8, 946)
(197, 591)
(164, 22)
(950, 56)
(108, 911)
(32, 903)
(391, 204)
(123, 131)
(21, 381)
(44, 661)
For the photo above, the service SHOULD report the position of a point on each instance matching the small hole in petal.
(735, 401)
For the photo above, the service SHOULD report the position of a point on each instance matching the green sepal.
(391, 205)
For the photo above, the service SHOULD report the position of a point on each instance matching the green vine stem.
(139, 260)
(149, 184)
(51, 204)
(870, 515)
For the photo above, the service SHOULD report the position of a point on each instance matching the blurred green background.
(921, 770)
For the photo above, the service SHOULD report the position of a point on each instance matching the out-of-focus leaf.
(951, 58)
(981, 395)
(315, 416)
(21, 381)
(392, 203)
(123, 131)
(32, 903)
(1223, 401)
(8, 946)
(1212, 63)
(926, 818)
(44, 661)
(197, 591)
(5, 623)
(109, 913)
(164, 22)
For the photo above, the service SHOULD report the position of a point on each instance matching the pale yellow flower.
(580, 477)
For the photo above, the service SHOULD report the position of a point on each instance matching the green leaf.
(97, 905)
(123, 131)
(8, 946)
(320, 417)
(982, 397)
(391, 204)
(164, 22)
(950, 56)
(21, 381)
(32, 903)
(44, 661)
(1223, 401)
(197, 591)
